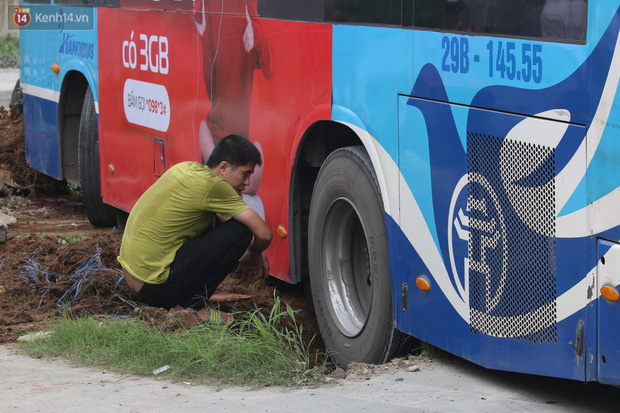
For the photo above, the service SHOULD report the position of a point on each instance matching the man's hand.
(253, 266)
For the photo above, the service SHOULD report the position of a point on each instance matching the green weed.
(68, 240)
(255, 351)
(9, 51)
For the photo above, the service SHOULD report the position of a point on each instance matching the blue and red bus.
(442, 169)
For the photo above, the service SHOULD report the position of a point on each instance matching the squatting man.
(191, 228)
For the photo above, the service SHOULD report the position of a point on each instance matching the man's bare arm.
(262, 233)
(254, 264)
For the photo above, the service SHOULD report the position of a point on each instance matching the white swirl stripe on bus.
(40, 92)
(537, 130)
(47, 94)
(579, 224)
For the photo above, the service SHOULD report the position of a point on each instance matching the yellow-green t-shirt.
(178, 207)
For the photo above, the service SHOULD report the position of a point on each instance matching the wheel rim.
(346, 267)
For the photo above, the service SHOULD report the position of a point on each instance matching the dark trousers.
(199, 266)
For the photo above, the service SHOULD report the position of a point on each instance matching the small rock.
(413, 368)
(161, 369)
(7, 219)
(339, 374)
(34, 336)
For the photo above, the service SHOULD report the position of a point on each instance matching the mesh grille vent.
(512, 253)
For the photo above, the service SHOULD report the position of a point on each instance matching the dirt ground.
(54, 258)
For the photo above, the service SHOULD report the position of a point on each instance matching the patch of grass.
(254, 351)
(75, 190)
(430, 351)
(68, 240)
(9, 51)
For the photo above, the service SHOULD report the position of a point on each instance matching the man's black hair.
(235, 150)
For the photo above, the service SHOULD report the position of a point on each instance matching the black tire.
(99, 214)
(349, 264)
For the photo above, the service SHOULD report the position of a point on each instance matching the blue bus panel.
(71, 50)
(507, 175)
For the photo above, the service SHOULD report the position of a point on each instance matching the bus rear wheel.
(348, 260)
(99, 213)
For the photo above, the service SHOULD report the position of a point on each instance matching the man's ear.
(222, 169)
(225, 167)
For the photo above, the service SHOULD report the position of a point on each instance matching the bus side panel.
(41, 91)
(502, 281)
(517, 296)
(372, 66)
(40, 134)
(273, 107)
(607, 360)
(283, 107)
(71, 50)
(147, 92)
